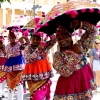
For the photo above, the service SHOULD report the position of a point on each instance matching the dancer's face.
(74, 24)
(35, 41)
(64, 40)
(11, 39)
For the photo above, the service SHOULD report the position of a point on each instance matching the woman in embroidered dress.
(3, 77)
(76, 80)
(14, 67)
(95, 60)
(38, 71)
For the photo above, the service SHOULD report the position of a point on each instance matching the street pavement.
(96, 96)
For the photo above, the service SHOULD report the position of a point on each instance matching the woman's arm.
(50, 43)
(24, 42)
(3, 49)
(91, 61)
(88, 37)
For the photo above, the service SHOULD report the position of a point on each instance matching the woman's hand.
(40, 47)
(77, 48)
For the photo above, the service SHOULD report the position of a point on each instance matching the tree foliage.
(1, 1)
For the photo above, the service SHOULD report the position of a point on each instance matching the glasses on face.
(97, 43)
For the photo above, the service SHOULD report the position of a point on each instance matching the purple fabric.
(95, 53)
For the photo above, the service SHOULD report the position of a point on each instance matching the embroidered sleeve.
(66, 64)
(88, 37)
(51, 43)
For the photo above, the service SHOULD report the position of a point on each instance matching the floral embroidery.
(68, 62)
(13, 51)
(87, 42)
(14, 68)
(32, 55)
(37, 77)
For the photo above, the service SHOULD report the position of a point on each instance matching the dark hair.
(64, 33)
(1, 41)
(11, 34)
(37, 36)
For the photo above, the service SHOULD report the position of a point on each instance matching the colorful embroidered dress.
(38, 72)
(3, 59)
(76, 81)
(15, 65)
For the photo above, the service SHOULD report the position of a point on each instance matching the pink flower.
(80, 31)
(98, 26)
(36, 20)
(67, 12)
(56, 13)
(73, 34)
(43, 43)
(5, 30)
(21, 16)
(45, 24)
(20, 29)
(52, 37)
(46, 37)
(76, 33)
(41, 34)
(91, 10)
(13, 30)
(83, 10)
(73, 13)
(50, 18)
(38, 25)
(98, 11)
(26, 33)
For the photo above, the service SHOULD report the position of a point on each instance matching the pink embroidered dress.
(76, 80)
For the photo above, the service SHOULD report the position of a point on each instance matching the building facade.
(9, 12)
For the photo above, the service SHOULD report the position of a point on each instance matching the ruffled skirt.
(13, 64)
(39, 70)
(77, 86)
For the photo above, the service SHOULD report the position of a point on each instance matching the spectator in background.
(95, 60)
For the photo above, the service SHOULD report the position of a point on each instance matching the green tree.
(1, 1)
